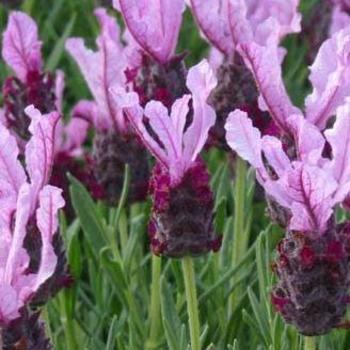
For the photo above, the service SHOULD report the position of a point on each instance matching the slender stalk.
(239, 238)
(123, 195)
(116, 217)
(154, 312)
(192, 303)
(239, 246)
(309, 343)
(67, 322)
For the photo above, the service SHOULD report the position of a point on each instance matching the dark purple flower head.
(160, 82)
(26, 332)
(182, 217)
(313, 279)
(38, 90)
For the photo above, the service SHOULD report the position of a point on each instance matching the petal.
(129, 102)
(212, 18)
(102, 69)
(179, 112)
(12, 175)
(264, 63)
(243, 138)
(154, 24)
(261, 21)
(86, 110)
(340, 20)
(9, 304)
(275, 155)
(21, 48)
(200, 81)
(22, 216)
(311, 189)
(59, 88)
(339, 139)
(308, 139)
(330, 78)
(74, 134)
(40, 149)
(50, 201)
(163, 127)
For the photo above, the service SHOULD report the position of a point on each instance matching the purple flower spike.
(155, 25)
(114, 144)
(27, 200)
(182, 219)
(21, 50)
(305, 187)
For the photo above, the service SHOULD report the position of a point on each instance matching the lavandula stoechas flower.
(182, 214)
(115, 145)
(28, 274)
(236, 88)
(21, 50)
(153, 28)
(305, 177)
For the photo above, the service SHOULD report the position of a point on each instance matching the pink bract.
(329, 76)
(21, 46)
(176, 148)
(154, 24)
(102, 70)
(309, 185)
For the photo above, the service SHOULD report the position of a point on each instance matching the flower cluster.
(182, 217)
(30, 268)
(305, 175)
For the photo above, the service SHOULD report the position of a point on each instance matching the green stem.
(154, 313)
(192, 303)
(239, 246)
(123, 195)
(239, 239)
(309, 343)
(116, 217)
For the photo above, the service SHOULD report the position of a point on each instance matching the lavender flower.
(114, 144)
(182, 217)
(236, 88)
(28, 204)
(21, 50)
(153, 30)
(305, 178)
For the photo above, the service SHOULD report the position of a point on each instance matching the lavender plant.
(142, 246)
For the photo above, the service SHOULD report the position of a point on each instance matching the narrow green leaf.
(90, 220)
(171, 322)
(56, 54)
(112, 333)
